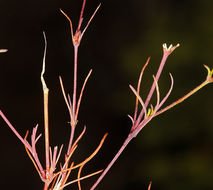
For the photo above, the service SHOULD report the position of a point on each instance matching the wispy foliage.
(55, 176)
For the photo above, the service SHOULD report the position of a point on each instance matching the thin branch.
(82, 91)
(71, 28)
(93, 154)
(39, 170)
(71, 139)
(81, 15)
(75, 78)
(163, 61)
(140, 99)
(15, 132)
(126, 142)
(34, 152)
(46, 186)
(68, 174)
(150, 184)
(79, 176)
(131, 118)
(79, 137)
(59, 154)
(139, 86)
(69, 105)
(183, 98)
(168, 93)
(46, 118)
(90, 20)
(87, 176)
(157, 91)
(166, 53)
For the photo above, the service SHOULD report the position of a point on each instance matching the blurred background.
(174, 150)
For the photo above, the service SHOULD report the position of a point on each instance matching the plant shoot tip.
(169, 49)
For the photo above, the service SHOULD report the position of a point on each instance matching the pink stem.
(16, 133)
(73, 124)
(138, 88)
(32, 150)
(75, 78)
(126, 142)
(163, 61)
(81, 15)
(35, 155)
(71, 139)
(46, 186)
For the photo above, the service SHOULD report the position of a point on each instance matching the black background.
(174, 150)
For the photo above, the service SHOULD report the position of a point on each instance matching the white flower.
(170, 49)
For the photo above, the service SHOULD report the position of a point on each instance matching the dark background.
(174, 151)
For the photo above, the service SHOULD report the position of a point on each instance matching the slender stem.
(46, 127)
(126, 142)
(138, 88)
(81, 94)
(71, 139)
(73, 123)
(183, 98)
(75, 77)
(163, 61)
(81, 15)
(46, 186)
(79, 179)
(150, 184)
(73, 120)
(46, 119)
(15, 132)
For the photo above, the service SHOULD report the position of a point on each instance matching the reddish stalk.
(73, 105)
(207, 81)
(15, 132)
(138, 88)
(76, 39)
(46, 186)
(73, 124)
(150, 185)
(126, 142)
(71, 139)
(75, 78)
(147, 113)
(166, 53)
